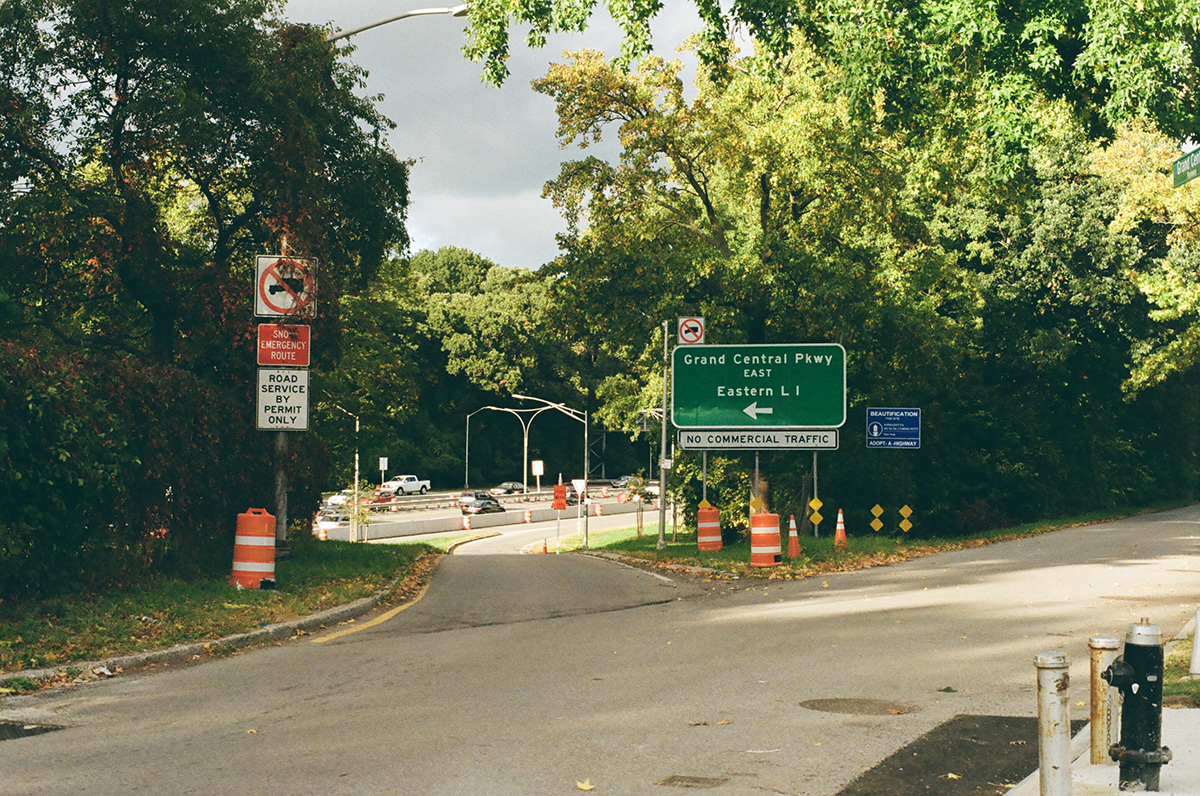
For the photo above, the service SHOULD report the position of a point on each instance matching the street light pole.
(582, 417)
(454, 11)
(467, 451)
(355, 509)
(524, 433)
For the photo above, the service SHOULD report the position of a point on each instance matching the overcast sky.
(482, 154)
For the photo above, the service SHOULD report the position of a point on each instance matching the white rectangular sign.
(283, 399)
(815, 439)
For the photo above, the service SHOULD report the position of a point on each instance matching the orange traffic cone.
(793, 539)
(839, 539)
(544, 549)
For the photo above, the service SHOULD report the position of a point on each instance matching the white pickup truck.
(406, 485)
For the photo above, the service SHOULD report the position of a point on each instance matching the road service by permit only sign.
(282, 399)
(775, 386)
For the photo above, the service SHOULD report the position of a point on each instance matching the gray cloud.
(482, 154)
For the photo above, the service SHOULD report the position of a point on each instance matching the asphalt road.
(528, 674)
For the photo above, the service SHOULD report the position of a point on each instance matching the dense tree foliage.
(1009, 308)
(1110, 60)
(147, 153)
(972, 198)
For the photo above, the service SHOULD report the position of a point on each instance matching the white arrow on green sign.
(787, 385)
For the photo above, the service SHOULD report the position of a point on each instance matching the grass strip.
(163, 612)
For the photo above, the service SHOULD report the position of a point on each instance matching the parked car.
(481, 505)
(340, 499)
(623, 481)
(476, 494)
(508, 488)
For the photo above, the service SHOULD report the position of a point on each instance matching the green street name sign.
(1187, 168)
(788, 385)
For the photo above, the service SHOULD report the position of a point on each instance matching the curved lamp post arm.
(582, 417)
(454, 11)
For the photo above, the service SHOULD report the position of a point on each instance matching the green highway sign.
(1186, 168)
(787, 385)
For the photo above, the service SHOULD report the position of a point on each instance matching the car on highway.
(623, 481)
(480, 505)
(508, 488)
(406, 485)
(330, 519)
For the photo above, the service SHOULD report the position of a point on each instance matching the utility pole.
(662, 473)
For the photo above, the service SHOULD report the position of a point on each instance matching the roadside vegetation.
(980, 212)
(162, 612)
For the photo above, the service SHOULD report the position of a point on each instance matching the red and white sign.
(691, 330)
(286, 346)
(284, 287)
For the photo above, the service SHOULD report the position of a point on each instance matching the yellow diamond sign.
(905, 525)
(906, 512)
(816, 518)
(877, 510)
(815, 504)
(877, 524)
(704, 504)
(756, 505)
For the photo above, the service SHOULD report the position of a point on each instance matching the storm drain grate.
(10, 730)
(684, 781)
(859, 707)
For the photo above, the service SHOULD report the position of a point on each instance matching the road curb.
(185, 653)
(642, 563)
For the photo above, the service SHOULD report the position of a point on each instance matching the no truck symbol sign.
(691, 330)
(284, 287)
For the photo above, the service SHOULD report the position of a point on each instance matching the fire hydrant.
(1138, 675)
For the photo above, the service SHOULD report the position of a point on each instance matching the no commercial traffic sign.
(789, 385)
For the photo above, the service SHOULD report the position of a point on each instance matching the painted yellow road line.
(386, 615)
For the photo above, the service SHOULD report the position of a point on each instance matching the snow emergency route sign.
(286, 346)
(284, 288)
(282, 399)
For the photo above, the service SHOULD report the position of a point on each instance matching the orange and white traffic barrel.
(253, 549)
(528, 515)
(708, 529)
(466, 522)
(764, 540)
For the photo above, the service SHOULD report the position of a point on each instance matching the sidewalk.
(1180, 734)
(1180, 777)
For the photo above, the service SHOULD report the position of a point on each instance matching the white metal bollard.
(1106, 700)
(1054, 723)
(1194, 668)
